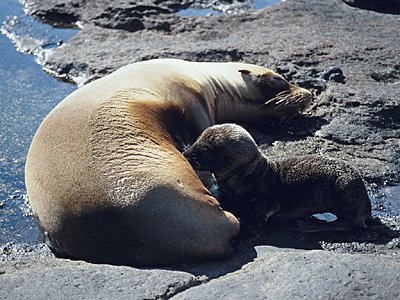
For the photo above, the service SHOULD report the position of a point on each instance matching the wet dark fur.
(289, 189)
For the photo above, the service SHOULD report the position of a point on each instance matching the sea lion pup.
(288, 189)
(105, 174)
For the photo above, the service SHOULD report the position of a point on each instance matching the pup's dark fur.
(288, 189)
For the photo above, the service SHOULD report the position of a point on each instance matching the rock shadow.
(217, 268)
(294, 129)
(381, 6)
(283, 235)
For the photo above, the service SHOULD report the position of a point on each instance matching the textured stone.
(384, 6)
(120, 14)
(305, 275)
(63, 279)
(263, 272)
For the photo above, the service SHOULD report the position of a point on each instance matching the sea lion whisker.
(285, 98)
(292, 100)
(278, 97)
(284, 101)
(270, 101)
(283, 93)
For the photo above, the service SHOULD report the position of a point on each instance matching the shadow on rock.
(283, 235)
(387, 118)
(296, 128)
(382, 6)
(214, 269)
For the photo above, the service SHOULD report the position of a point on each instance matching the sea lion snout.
(279, 98)
(197, 157)
(191, 157)
(211, 153)
(289, 102)
(304, 95)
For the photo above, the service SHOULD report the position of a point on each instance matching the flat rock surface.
(349, 57)
(305, 275)
(261, 273)
(63, 279)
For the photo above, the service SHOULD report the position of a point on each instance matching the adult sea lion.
(105, 174)
(288, 189)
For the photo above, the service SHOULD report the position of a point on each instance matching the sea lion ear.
(244, 71)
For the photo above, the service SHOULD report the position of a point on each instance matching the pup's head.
(221, 148)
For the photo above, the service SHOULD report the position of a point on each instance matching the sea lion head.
(222, 147)
(276, 96)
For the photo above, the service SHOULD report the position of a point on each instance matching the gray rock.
(120, 14)
(263, 272)
(63, 279)
(305, 275)
(333, 73)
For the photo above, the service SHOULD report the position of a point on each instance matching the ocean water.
(27, 94)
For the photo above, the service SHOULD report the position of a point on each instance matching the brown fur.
(289, 189)
(105, 174)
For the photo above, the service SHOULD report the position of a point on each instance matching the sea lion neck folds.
(105, 174)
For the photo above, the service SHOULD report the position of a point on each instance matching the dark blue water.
(27, 94)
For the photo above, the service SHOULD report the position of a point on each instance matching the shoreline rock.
(263, 272)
